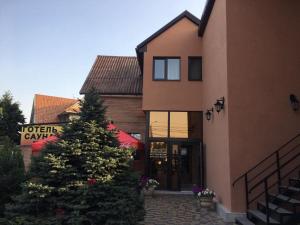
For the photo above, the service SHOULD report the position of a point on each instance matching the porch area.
(175, 209)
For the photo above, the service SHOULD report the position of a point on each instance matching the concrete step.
(243, 221)
(294, 181)
(275, 208)
(286, 199)
(257, 215)
(293, 189)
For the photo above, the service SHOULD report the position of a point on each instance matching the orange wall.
(179, 40)
(263, 70)
(215, 86)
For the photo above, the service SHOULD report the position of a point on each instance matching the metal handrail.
(272, 185)
(262, 161)
(272, 173)
(273, 163)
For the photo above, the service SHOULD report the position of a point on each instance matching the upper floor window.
(166, 68)
(195, 68)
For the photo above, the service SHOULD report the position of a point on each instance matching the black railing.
(262, 174)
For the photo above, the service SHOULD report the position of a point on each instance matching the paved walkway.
(178, 210)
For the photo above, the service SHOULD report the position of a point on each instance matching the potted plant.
(205, 197)
(148, 185)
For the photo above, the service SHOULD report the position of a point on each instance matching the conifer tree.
(11, 118)
(84, 178)
(12, 172)
(92, 108)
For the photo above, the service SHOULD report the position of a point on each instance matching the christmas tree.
(84, 178)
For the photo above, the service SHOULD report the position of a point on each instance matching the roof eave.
(185, 14)
(205, 16)
(142, 47)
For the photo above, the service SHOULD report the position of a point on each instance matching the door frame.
(169, 142)
(200, 169)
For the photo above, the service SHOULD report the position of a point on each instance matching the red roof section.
(47, 108)
(125, 139)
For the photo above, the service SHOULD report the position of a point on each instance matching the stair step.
(286, 199)
(262, 217)
(294, 180)
(276, 208)
(243, 221)
(290, 188)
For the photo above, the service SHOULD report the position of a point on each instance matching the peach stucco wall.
(179, 40)
(263, 40)
(215, 86)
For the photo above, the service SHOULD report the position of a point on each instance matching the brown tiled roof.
(47, 108)
(114, 75)
(75, 108)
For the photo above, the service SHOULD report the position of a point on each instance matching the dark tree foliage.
(84, 178)
(92, 108)
(12, 172)
(11, 118)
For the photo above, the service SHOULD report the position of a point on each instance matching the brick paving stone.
(178, 210)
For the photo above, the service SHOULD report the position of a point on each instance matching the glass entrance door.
(185, 166)
(176, 165)
(159, 163)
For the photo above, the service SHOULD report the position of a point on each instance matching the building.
(119, 81)
(210, 97)
(47, 114)
(50, 109)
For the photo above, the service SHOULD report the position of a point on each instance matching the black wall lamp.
(209, 113)
(294, 102)
(219, 105)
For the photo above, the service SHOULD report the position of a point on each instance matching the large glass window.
(179, 124)
(175, 125)
(166, 69)
(158, 124)
(195, 68)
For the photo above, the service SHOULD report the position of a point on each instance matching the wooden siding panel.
(126, 113)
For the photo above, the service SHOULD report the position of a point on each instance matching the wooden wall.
(126, 113)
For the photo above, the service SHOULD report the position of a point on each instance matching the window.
(136, 135)
(175, 125)
(158, 150)
(166, 69)
(158, 124)
(195, 68)
(179, 124)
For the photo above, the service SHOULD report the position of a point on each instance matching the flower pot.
(206, 202)
(148, 191)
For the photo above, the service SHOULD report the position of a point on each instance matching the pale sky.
(48, 46)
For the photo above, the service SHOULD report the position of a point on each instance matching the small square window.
(195, 68)
(166, 68)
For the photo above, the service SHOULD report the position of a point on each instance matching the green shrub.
(11, 171)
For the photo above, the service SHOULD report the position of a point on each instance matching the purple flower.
(196, 189)
(143, 181)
